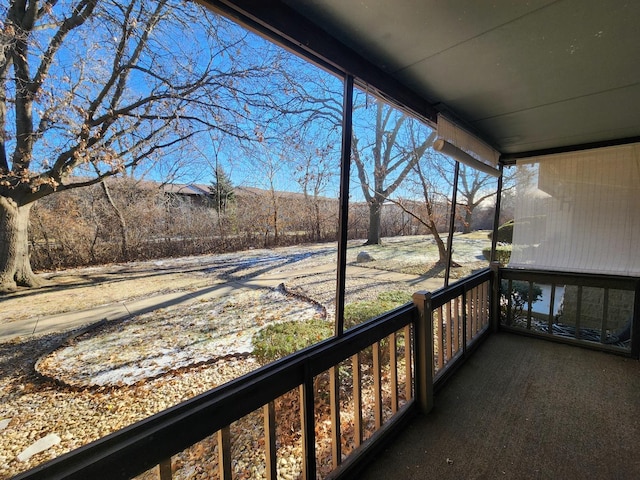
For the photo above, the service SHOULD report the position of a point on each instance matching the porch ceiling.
(523, 75)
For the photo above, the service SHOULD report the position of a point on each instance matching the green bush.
(503, 253)
(520, 297)
(505, 232)
(359, 312)
(281, 339)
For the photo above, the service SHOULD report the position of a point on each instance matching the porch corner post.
(495, 296)
(423, 338)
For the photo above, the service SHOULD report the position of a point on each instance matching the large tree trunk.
(468, 217)
(122, 223)
(375, 210)
(442, 249)
(15, 268)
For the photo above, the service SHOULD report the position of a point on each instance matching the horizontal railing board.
(580, 279)
(445, 295)
(601, 347)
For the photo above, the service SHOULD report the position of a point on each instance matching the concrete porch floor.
(525, 408)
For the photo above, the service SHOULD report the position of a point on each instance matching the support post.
(496, 217)
(423, 347)
(345, 163)
(452, 223)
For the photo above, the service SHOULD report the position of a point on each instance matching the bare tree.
(429, 184)
(474, 188)
(93, 88)
(314, 167)
(384, 161)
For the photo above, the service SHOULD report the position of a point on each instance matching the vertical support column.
(345, 164)
(452, 223)
(423, 338)
(496, 217)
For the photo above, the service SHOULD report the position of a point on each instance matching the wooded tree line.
(141, 221)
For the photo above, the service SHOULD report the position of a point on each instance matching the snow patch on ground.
(155, 343)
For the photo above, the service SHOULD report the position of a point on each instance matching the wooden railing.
(314, 412)
(319, 413)
(459, 316)
(594, 311)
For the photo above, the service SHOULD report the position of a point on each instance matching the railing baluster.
(307, 413)
(605, 315)
(164, 470)
(477, 309)
(552, 307)
(334, 398)
(269, 413)
(471, 305)
(393, 371)
(450, 330)
(578, 311)
(486, 304)
(377, 385)
(440, 334)
(482, 305)
(456, 324)
(224, 453)
(509, 292)
(357, 400)
(529, 304)
(466, 321)
(408, 377)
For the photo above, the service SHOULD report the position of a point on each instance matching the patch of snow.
(158, 342)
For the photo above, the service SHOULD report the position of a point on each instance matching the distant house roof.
(194, 189)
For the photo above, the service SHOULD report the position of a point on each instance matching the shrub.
(281, 339)
(359, 312)
(503, 253)
(505, 232)
(520, 296)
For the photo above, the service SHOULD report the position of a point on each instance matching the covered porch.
(451, 385)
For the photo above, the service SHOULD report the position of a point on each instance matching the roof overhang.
(527, 77)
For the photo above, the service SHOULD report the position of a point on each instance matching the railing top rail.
(444, 295)
(135, 449)
(571, 278)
